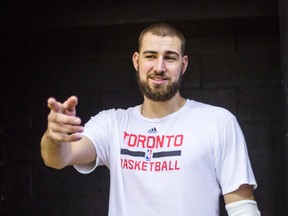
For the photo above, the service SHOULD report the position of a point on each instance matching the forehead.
(160, 44)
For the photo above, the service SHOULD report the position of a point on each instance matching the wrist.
(243, 208)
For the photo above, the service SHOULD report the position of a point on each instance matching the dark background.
(237, 59)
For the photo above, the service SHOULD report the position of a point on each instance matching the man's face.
(160, 66)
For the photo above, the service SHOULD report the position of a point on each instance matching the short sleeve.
(232, 163)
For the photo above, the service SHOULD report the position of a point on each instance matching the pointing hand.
(63, 125)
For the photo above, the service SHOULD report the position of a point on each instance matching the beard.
(159, 93)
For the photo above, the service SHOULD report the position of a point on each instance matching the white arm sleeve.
(243, 208)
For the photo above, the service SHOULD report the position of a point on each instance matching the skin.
(160, 55)
(158, 64)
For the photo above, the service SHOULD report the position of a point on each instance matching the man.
(168, 156)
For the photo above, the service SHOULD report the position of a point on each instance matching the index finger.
(54, 105)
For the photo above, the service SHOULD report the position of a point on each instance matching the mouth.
(158, 80)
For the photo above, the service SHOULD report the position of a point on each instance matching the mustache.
(161, 75)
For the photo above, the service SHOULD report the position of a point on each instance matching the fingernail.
(78, 136)
(81, 129)
(77, 121)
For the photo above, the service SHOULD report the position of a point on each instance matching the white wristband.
(243, 208)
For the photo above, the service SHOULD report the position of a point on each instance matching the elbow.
(55, 164)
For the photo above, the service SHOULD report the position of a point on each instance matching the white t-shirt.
(176, 165)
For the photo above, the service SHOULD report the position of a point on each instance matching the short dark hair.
(163, 29)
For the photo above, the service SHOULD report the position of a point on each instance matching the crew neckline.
(138, 113)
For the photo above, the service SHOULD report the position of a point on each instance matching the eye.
(170, 58)
(150, 57)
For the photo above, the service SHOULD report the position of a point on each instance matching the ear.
(135, 60)
(184, 63)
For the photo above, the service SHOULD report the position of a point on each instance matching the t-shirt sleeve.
(233, 167)
(97, 130)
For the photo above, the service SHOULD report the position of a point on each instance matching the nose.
(159, 65)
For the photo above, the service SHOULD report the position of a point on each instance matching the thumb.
(70, 104)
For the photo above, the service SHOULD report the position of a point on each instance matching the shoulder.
(210, 113)
(116, 113)
(208, 109)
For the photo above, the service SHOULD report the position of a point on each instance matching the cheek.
(146, 65)
(141, 73)
(144, 68)
(176, 71)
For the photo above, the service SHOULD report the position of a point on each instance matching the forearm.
(55, 154)
(241, 202)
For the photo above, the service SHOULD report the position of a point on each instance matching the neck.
(153, 109)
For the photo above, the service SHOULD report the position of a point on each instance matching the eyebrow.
(149, 52)
(169, 52)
